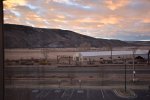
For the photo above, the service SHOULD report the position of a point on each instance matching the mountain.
(19, 36)
(140, 43)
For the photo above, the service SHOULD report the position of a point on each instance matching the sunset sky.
(110, 19)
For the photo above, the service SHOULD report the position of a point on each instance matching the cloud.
(8, 4)
(116, 4)
(69, 2)
(110, 20)
(16, 13)
(146, 20)
(97, 18)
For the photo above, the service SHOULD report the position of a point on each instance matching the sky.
(127, 20)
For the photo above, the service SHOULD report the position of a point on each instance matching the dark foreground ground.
(69, 94)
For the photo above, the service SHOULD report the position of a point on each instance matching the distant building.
(106, 55)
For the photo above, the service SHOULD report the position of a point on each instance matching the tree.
(110, 48)
(45, 52)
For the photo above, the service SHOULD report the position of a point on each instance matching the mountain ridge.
(20, 36)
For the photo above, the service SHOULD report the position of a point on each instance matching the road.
(69, 94)
(31, 70)
(89, 75)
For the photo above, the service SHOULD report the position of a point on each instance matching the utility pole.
(148, 57)
(125, 82)
(59, 83)
(110, 48)
(111, 55)
(80, 84)
(133, 75)
(69, 60)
